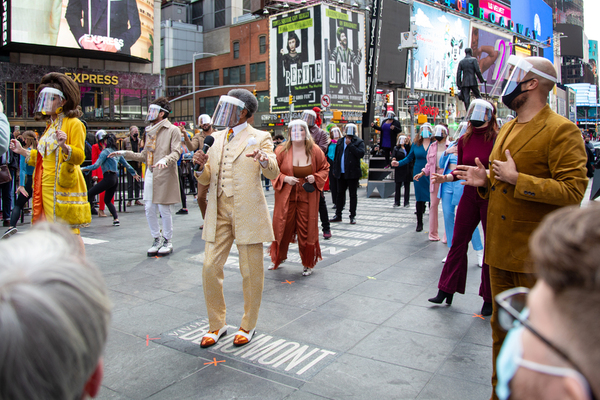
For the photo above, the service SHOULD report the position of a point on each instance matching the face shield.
(228, 111)
(462, 128)
(390, 115)
(426, 130)
(298, 130)
(309, 116)
(401, 140)
(153, 111)
(49, 100)
(336, 132)
(513, 73)
(440, 132)
(350, 130)
(100, 135)
(204, 119)
(479, 112)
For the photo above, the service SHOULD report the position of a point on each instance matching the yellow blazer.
(252, 217)
(550, 157)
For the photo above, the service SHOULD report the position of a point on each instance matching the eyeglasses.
(513, 311)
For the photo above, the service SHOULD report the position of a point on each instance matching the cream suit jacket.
(252, 220)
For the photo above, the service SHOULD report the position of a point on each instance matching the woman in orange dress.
(303, 172)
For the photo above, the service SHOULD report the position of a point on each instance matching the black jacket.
(403, 173)
(355, 151)
(395, 132)
(468, 68)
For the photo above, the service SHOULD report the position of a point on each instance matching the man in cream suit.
(237, 209)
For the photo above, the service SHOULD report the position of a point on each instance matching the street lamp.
(194, 77)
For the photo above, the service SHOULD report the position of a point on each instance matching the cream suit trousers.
(251, 267)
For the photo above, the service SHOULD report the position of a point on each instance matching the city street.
(359, 327)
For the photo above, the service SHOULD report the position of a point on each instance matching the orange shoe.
(243, 337)
(211, 338)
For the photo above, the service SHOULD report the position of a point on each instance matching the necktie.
(229, 134)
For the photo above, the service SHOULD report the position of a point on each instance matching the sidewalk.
(359, 327)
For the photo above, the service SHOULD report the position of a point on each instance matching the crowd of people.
(512, 180)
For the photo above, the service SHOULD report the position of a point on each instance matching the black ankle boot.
(420, 207)
(487, 309)
(441, 296)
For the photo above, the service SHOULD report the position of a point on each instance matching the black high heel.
(439, 299)
(487, 309)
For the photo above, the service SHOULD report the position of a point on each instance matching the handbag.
(5, 175)
(309, 188)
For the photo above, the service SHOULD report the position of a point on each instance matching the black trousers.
(386, 153)
(6, 188)
(181, 168)
(352, 186)
(133, 185)
(466, 92)
(21, 201)
(325, 225)
(333, 186)
(406, 192)
(108, 185)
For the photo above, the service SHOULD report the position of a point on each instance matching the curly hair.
(70, 90)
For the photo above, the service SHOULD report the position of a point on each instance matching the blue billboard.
(533, 18)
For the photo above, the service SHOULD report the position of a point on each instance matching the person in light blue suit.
(451, 192)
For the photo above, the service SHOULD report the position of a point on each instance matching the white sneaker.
(166, 248)
(156, 245)
(480, 258)
(444, 260)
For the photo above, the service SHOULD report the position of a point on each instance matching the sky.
(591, 10)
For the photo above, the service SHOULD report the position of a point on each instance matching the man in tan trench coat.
(537, 165)
(161, 180)
(237, 209)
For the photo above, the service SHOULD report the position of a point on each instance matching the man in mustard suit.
(537, 165)
(237, 209)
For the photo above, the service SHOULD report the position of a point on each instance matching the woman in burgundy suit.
(477, 142)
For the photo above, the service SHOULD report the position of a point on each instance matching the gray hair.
(54, 316)
(247, 97)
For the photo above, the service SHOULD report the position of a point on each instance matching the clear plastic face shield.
(309, 116)
(390, 115)
(479, 112)
(228, 111)
(462, 128)
(440, 132)
(153, 111)
(513, 74)
(49, 100)
(204, 119)
(298, 131)
(100, 135)
(426, 130)
(350, 130)
(401, 140)
(336, 132)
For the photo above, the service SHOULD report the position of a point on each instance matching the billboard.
(492, 51)
(298, 60)
(442, 39)
(123, 27)
(533, 18)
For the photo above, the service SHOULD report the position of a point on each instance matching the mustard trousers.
(251, 268)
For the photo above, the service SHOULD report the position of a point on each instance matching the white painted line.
(92, 241)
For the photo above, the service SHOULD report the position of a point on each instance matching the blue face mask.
(426, 134)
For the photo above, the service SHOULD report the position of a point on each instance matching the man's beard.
(519, 102)
(206, 130)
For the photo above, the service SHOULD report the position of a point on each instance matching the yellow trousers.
(251, 268)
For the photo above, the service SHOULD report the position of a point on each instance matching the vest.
(225, 181)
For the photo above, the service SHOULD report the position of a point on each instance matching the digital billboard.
(442, 39)
(297, 58)
(492, 51)
(533, 18)
(124, 27)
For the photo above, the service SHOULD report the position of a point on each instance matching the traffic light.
(452, 91)
(254, 92)
(291, 99)
(387, 98)
(337, 115)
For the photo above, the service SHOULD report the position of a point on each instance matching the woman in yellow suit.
(59, 190)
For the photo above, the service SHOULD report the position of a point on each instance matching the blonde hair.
(308, 143)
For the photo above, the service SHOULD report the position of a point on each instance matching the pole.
(412, 74)
(326, 66)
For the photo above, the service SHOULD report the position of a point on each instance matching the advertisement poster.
(441, 39)
(114, 26)
(534, 18)
(492, 51)
(297, 58)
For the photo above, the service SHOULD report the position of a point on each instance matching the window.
(219, 13)
(234, 75)
(258, 72)
(182, 110)
(236, 49)
(262, 44)
(197, 12)
(14, 99)
(263, 101)
(209, 78)
(31, 98)
(247, 4)
(208, 105)
(179, 85)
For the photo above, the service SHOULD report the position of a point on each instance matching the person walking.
(334, 135)
(390, 129)
(402, 175)
(537, 166)
(476, 143)
(132, 143)
(25, 188)
(346, 167)
(418, 154)
(110, 171)
(161, 182)
(237, 210)
(303, 171)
